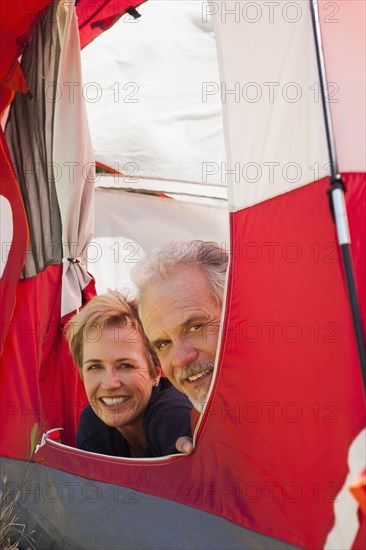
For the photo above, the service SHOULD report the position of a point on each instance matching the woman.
(132, 411)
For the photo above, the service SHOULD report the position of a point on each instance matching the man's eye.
(195, 327)
(161, 345)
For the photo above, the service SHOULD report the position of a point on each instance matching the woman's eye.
(125, 366)
(97, 366)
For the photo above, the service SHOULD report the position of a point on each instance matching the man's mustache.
(193, 369)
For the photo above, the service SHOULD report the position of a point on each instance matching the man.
(181, 288)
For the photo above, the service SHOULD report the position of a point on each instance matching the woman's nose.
(111, 379)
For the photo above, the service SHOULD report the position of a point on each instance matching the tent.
(282, 437)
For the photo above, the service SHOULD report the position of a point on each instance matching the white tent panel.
(6, 231)
(275, 134)
(72, 148)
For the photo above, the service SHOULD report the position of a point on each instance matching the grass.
(13, 533)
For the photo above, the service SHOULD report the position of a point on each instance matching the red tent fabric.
(97, 17)
(274, 446)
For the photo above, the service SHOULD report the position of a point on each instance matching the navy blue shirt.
(167, 417)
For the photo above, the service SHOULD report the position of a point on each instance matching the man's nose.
(183, 354)
(111, 380)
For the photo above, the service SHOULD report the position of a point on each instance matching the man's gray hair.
(208, 256)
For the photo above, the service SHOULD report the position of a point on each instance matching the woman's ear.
(157, 377)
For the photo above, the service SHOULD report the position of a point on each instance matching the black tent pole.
(336, 192)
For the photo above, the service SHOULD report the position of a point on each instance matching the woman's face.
(116, 375)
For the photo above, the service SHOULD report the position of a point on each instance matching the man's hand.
(184, 445)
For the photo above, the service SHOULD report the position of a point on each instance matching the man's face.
(181, 318)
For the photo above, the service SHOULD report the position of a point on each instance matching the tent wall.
(287, 405)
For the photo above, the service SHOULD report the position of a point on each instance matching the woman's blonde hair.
(106, 311)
